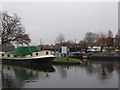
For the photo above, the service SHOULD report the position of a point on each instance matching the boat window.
(3, 55)
(74, 54)
(8, 55)
(47, 53)
(14, 56)
(36, 53)
(77, 54)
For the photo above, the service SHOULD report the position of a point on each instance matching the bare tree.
(83, 44)
(110, 34)
(70, 42)
(8, 47)
(109, 39)
(101, 41)
(12, 30)
(117, 41)
(60, 38)
(90, 38)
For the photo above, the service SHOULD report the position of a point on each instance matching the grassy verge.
(59, 59)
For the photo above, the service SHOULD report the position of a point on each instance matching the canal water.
(90, 74)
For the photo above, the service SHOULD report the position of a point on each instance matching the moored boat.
(85, 56)
(79, 55)
(31, 54)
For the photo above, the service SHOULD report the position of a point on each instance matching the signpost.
(65, 51)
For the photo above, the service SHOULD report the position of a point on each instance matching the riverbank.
(60, 60)
(105, 56)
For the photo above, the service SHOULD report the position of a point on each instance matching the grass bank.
(60, 59)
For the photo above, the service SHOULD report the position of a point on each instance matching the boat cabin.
(25, 52)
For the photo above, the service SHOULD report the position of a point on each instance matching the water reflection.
(90, 74)
(102, 69)
(62, 70)
(97, 72)
(16, 76)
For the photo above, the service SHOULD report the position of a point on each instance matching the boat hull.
(47, 60)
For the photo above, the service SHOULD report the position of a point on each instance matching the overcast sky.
(45, 20)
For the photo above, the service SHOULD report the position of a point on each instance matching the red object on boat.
(80, 51)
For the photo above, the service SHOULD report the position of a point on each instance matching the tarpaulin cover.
(22, 51)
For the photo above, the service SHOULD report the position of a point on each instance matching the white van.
(94, 49)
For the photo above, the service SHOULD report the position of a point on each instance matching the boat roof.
(22, 51)
(2, 52)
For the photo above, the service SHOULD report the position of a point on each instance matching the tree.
(83, 44)
(60, 38)
(70, 43)
(12, 30)
(110, 34)
(101, 41)
(90, 38)
(117, 41)
(109, 40)
(8, 47)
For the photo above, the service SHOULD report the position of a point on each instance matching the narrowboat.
(27, 54)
